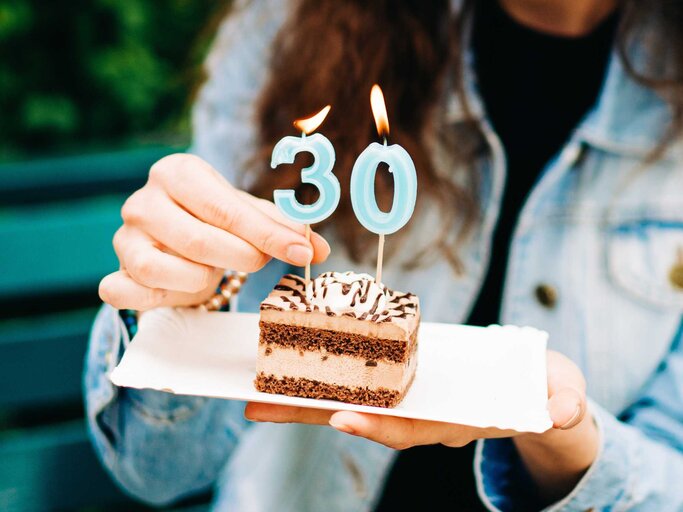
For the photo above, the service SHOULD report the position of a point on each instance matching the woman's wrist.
(557, 459)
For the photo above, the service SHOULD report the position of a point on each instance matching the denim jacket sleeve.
(639, 465)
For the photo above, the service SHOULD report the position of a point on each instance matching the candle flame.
(379, 110)
(310, 124)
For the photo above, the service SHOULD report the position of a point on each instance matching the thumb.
(566, 391)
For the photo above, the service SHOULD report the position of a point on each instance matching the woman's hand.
(556, 459)
(185, 226)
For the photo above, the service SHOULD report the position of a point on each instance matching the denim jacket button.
(676, 276)
(546, 295)
(676, 272)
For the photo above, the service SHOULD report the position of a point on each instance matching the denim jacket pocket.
(645, 257)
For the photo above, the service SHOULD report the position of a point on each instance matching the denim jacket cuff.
(605, 484)
(503, 483)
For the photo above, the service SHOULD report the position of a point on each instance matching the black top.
(536, 88)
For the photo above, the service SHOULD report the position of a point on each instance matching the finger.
(153, 268)
(321, 249)
(216, 202)
(122, 291)
(256, 411)
(202, 243)
(400, 433)
(566, 391)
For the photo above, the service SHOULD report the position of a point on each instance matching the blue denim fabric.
(598, 228)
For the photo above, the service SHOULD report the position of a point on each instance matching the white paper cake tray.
(483, 377)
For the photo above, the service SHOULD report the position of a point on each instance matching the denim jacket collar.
(628, 118)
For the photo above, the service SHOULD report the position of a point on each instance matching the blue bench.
(57, 218)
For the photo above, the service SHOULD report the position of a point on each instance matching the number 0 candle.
(319, 174)
(401, 167)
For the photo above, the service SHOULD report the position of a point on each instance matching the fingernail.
(341, 427)
(299, 254)
(573, 420)
(250, 417)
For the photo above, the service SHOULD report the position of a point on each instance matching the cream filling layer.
(397, 329)
(348, 371)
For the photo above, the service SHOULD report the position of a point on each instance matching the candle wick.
(303, 135)
(385, 141)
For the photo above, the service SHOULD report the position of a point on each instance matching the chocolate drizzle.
(287, 300)
(364, 297)
(342, 294)
(373, 309)
(293, 291)
(355, 295)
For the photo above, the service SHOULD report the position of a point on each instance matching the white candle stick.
(380, 257)
(307, 270)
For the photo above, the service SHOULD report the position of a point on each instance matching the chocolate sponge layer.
(336, 342)
(307, 388)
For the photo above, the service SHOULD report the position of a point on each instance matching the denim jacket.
(598, 231)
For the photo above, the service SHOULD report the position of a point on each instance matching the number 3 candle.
(403, 171)
(319, 174)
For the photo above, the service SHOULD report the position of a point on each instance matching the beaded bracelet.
(229, 286)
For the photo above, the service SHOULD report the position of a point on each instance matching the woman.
(550, 128)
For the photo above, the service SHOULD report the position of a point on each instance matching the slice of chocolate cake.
(348, 339)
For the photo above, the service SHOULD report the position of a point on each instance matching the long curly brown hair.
(333, 51)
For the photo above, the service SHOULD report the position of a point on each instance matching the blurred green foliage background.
(78, 74)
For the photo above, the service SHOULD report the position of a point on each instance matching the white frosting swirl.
(348, 292)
